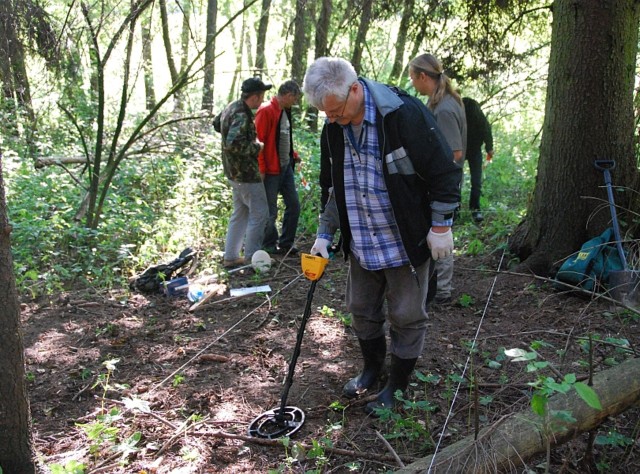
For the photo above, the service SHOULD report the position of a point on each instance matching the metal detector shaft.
(296, 352)
(605, 166)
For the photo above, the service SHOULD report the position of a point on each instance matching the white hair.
(328, 76)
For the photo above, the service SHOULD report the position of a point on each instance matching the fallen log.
(56, 160)
(518, 437)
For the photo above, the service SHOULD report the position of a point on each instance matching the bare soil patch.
(201, 377)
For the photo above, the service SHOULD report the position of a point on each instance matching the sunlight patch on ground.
(226, 412)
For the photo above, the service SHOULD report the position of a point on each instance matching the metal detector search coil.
(312, 266)
(286, 420)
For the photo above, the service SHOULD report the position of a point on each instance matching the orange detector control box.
(313, 266)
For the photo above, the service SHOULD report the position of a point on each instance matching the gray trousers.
(248, 220)
(444, 267)
(406, 305)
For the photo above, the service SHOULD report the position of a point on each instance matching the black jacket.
(478, 128)
(420, 175)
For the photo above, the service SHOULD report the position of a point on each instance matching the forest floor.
(132, 383)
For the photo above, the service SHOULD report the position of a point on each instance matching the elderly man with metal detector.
(393, 190)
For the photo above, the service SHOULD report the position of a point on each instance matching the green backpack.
(589, 268)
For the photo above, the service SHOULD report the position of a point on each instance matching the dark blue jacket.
(422, 179)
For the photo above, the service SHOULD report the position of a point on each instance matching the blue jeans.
(249, 216)
(283, 184)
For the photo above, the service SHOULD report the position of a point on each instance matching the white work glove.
(441, 245)
(320, 246)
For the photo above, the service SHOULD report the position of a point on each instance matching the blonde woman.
(428, 78)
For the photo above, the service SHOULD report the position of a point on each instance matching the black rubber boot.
(373, 352)
(399, 374)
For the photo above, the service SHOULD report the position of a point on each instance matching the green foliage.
(102, 431)
(613, 438)
(465, 300)
(178, 379)
(169, 192)
(337, 406)
(497, 362)
(545, 386)
(431, 378)
(103, 379)
(189, 454)
(298, 453)
(508, 181)
(160, 204)
(409, 421)
(588, 395)
(71, 467)
(308, 147)
(344, 318)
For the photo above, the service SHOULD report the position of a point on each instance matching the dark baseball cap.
(255, 84)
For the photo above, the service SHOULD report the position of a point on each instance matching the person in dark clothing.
(390, 186)
(478, 132)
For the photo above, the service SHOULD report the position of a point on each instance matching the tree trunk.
(20, 79)
(321, 49)
(588, 116)
(322, 29)
(249, 46)
(16, 445)
(417, 45)
(263, 25)
(511, 442)
(185, 36)
(361, 37)
(401, 41)
(209, 55)
(299, 52)
(147, 62)
(239, 50)
(13, 71)
(7, 38)
(166, 38)
(7, 32)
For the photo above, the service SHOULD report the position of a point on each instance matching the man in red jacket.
(277, 160)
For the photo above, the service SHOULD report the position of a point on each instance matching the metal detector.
(286, 420)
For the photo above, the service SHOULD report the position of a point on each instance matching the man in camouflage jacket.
(240, 148)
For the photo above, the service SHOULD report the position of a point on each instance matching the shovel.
(286, 420)
(622, 283)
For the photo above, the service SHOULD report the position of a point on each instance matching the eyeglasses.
(332, 116)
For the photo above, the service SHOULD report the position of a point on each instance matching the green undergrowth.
(161, 203)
